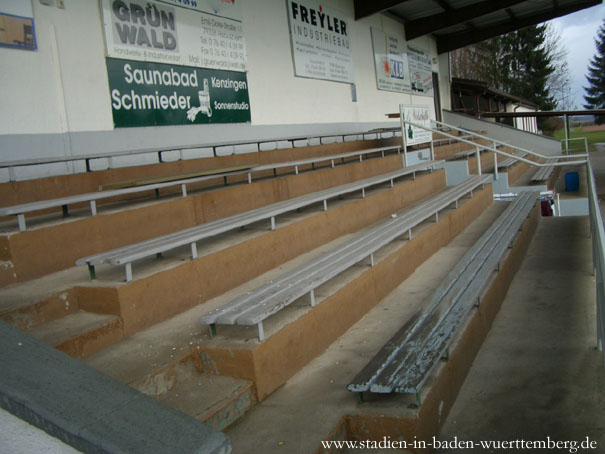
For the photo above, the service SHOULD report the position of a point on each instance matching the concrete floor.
(538, 374)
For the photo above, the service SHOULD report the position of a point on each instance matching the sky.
(578, 31)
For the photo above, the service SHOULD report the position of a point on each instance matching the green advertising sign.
(154, 94)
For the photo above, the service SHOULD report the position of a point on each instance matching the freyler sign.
(154, 94)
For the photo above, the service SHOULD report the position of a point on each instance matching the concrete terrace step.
(80, 333)
(217, 400)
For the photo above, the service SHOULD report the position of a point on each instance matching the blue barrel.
(572, 181)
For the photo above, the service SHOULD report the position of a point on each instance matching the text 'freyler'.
(145, 25)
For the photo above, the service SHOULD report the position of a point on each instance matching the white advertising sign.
(420, 115)
(202, 33)
(320, 42)
(391, 61)
(421, 71)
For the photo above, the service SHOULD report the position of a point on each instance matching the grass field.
(593, 137)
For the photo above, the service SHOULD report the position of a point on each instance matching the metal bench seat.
(256, 306)
(511, 161)
(406, 361)
(128, 254)
(92, 197)
(544, 173)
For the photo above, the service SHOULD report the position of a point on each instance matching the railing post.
(495, 165)
(478, 154)
(403, 136)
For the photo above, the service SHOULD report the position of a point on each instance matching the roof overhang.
(459, 23)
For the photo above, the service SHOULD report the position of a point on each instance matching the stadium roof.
(459, 23)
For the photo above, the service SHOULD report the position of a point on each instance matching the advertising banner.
(154, 94)
(321, 47)
(391, 62)
(202, 33)
(421, 71)
(420, 115)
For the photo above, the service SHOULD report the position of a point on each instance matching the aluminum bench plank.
(544, 173)
(406, 361)
(230, 313)
(511, 161)
(427, 359)
(92, 197)
(413, 362)
(153, 246)
(381, 361)
(254, 307)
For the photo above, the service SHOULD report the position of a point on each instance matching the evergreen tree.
(519, 63)
(595, 92)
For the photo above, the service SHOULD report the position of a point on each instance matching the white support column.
(128, 269)
(184, 189)
(11, 174)
(326, 205)
(432, 151)
(181, 154)
(193, 251)
(93, 208)
(392, 184)
(360, 158)
(333, 165)
(372, 260)
(410, 234)
(272, 222)
(363, 193)
(249, 177)
(296, 170)
(495, 166)
(312, 297)
(437, 216)
(21, 221)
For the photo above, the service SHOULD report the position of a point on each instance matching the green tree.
(523, 63)
(595, 92)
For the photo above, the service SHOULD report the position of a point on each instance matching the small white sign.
(421, 71)
(320, 42)
(391, 62)
(420, 115)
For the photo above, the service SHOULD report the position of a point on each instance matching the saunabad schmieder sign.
(203, 33)
(320, 41)
(150, 94)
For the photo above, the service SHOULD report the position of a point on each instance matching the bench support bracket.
(91, 272)
(261, 332)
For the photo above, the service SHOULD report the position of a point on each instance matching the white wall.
(62, 88)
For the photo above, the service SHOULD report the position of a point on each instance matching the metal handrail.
(598, 253)
(566, 141)
(492, 149)
(503, 143)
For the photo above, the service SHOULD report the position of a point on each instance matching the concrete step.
(31, 304)
(80, 334)
(57, 243)
(214, 399)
